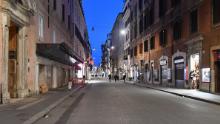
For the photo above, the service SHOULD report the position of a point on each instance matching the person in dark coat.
(124, 77)
(109, 77)
(115, 77)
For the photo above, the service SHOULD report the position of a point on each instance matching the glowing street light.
(123, 32)
(112, 47)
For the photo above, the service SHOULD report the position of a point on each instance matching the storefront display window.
(194, 70)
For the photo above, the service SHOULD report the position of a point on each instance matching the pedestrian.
(109, 77)
(124, 77)
(115, 77)
(70, 84)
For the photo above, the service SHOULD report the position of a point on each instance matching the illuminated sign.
(163, 62)
(206, 75)
(179, 61)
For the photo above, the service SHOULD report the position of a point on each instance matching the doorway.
(179, 75)
(12, 62)
(195, 70)
(217, 72)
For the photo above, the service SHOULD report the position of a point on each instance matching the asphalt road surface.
(119, 103)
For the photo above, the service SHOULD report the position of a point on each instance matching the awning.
(56, 52)
(70, 52)
(77, 67)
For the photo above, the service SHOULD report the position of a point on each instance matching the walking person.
(115, 77)
(109, 77)
(124, 77)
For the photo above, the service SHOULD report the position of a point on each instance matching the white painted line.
(30, 104)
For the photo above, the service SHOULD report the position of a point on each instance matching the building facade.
(127, 34)
(106, 56)
(117, 42)
(175, 43)
(44, 44)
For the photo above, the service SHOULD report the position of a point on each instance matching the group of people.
(116, 77)
(194, 76)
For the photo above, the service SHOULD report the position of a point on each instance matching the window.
(135, 51)
(19, 1)
(54, 36)
(140, 5)
(177, 30)
(135, 11)
(141, 24)
(141, 48)
(216, 11)
(152, 43)
(132, 53)
(127, 36)
(63, 12)
(48, 11)
(151, 16)
(146, 20)
(54, 4)
(135, 29)
(41, 26)
(175, 3)
(162, 7)
(146, 46)
(194, 21)
(48, 21)
(69, 21)
(163, 37)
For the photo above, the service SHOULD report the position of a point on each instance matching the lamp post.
(109, 63)
(123, 33)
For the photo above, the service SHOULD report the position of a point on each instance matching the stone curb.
(49, 108)
(181, 95)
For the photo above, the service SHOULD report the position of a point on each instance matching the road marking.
(30, 104)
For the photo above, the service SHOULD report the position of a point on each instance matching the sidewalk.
(188, 93)
(29, 110)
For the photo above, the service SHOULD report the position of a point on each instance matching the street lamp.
(123, 32)
(112, 47)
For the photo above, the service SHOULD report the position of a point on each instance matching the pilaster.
(4, 70)
(22, 64)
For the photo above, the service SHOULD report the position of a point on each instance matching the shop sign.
(178, 61)
(186, 73)
(217, 55)
(163, 62)
(206, 75)
(166, 74)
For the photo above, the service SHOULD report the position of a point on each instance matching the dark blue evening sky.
(101, 15)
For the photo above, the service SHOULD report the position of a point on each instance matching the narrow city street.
(102, 102)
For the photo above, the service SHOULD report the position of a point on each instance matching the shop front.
(164, 71)
(217, 70)
(179, 72)
(194, 71)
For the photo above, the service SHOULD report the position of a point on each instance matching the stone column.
(22, 64)
(36, 84)
(54, 70)
(4, 59)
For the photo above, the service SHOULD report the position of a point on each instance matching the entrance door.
(217, 72)
(12, 62)
(179, 75)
